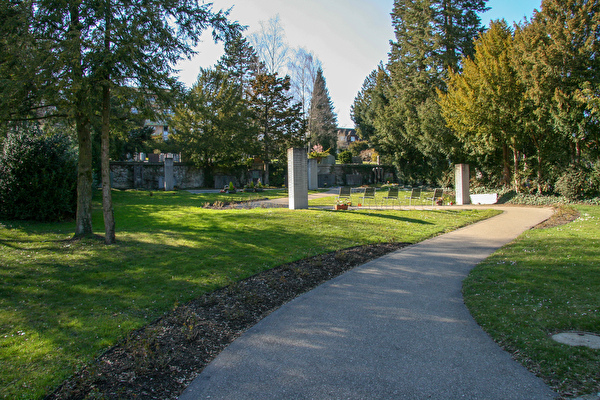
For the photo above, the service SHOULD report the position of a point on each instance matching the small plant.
(318, 153)
(231, 188)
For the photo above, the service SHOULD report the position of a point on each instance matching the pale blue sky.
(350, 37)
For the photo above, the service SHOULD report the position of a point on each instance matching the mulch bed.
(160, 360)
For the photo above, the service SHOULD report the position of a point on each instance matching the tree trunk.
(266, 174)
(506, 166)
(515, 167)
(107, 206)
(540, 172)
(83, 224)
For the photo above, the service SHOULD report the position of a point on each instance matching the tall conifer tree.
(431, 37)
(322, 121)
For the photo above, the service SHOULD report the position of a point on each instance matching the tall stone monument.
(297, 178)
(169, 174)
(461, 184)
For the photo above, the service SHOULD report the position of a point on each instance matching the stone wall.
(352, 174)
(151, 176)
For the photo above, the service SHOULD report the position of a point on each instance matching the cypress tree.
(322, 121)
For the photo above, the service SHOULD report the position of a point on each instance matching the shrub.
(577, 183)
(345, 157)
(38, 177)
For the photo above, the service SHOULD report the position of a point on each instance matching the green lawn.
(546, 282)
(63, 302)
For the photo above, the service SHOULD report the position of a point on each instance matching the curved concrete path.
(394, 328)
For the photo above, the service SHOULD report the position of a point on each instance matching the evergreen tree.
(240, 61)
(369, 102)
(556, 57)
(279, 122)
(431, 36)
(322, 121)
(81, 45)
(213, 124)
(483, 104)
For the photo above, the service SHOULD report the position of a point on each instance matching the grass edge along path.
(64, 302)
(545, 282)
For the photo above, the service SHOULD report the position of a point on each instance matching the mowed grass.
(548, 281)
(63, 302)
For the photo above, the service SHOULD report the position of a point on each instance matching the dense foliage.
(519, 104)
(396, 110)
(65, 59)
(38, 177)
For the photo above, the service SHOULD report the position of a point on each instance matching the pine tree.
(431, 37)
(369, 102)
(240, 61)
(278, 120)
(322, 121)
(213, 125)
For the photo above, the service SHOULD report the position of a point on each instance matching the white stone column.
(297, 178)
(461, 184)
(313, 174)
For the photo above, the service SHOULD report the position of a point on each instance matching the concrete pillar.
(169, 176)
(138, 175)
(297, 178)
(461, 184)
(313, 174)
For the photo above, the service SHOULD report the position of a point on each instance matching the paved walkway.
(394, 328)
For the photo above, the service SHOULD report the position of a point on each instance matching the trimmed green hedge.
(38, 177)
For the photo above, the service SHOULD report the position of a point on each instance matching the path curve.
(393, 328)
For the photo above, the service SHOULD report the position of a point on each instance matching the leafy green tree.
(483, 103)
(279, 122)
(557, 60)
(214, 126)
(345, 157)
(322, 121)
